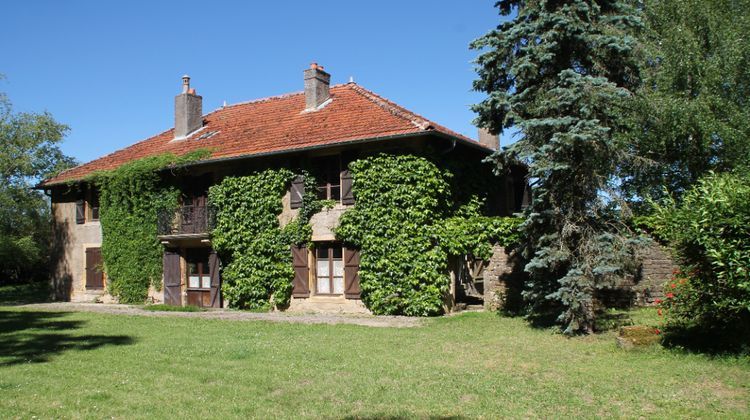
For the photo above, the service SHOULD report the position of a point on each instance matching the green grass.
(170, 308)
(56, 365)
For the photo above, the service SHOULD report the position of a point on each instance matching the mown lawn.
(475, 365)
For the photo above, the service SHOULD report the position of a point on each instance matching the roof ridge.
(274, 97)
(419, 121)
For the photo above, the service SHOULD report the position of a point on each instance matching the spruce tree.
(560, 72)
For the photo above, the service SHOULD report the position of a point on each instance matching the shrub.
(710, 231)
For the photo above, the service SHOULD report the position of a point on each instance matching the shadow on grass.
(34, 337)
(713, 340)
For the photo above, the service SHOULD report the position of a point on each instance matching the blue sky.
(110, 70)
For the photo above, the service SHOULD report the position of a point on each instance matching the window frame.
(92, 211)
(329, 246)
(203, 267)
(329, 169)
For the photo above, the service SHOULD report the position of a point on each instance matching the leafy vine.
(130, 198)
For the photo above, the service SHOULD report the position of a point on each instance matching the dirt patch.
(310, 318)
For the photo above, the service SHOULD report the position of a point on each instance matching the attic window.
(207, 135)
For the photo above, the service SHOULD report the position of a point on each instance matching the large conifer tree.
(559, 72)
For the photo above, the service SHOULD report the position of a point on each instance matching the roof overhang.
(424, 134)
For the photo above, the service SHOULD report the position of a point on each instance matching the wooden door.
(172, 278)
(94, 269)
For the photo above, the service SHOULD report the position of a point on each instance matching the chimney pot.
(188, 110)
(185, 83)
(317, 86)
(488, 139)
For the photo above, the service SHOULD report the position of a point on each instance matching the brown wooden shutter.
(351, 273)
(300, 285)
(214, 269)
(347, 193)
(297, 191)
(172, 278)
(94, 273)
(80, 211)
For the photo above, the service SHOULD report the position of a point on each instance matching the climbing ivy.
(255, 250)
(130, 198)
(471, 233)
(406, 224)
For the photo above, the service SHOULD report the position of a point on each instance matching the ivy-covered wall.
(411, 213)
(407, 220)
(130, 198)
(255, 250)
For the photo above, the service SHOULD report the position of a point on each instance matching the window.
(329, 269)
(198, 275)
(93, 202)
(329, 178)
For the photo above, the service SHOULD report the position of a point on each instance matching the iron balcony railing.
(186, 220)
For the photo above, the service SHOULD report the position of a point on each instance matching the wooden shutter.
(351, 273)
(347, 194)
(80, 211)
(172, 278)
(214, 268)
(300, 285)
(297, 192)
(94, 273)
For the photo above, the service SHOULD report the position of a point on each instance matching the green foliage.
(403, 225)
(692, 114)
(299, 231)
(130, 198)
(255, 250)
(562, 73)
(399, 200)
(470, 233)
(710, 230)
(29, 152)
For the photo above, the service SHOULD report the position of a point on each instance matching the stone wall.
(656, 269)
(503, 279)
(504, 276)
(70, 241)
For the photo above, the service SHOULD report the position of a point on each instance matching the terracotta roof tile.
(278, 124)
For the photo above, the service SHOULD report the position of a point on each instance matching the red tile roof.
(279, 124)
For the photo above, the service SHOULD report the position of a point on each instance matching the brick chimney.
(488, 139)
(317, 87)
(188, 110)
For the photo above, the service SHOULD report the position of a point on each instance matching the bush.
(710, 231)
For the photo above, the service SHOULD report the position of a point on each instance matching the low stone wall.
(656, 269)
(504, 276)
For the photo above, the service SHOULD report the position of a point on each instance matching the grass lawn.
(474, 365)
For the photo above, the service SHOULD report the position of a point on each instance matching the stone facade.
(70, 241)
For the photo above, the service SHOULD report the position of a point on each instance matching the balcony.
(185, 222)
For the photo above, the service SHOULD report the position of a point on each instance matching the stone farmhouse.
(325, 126)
